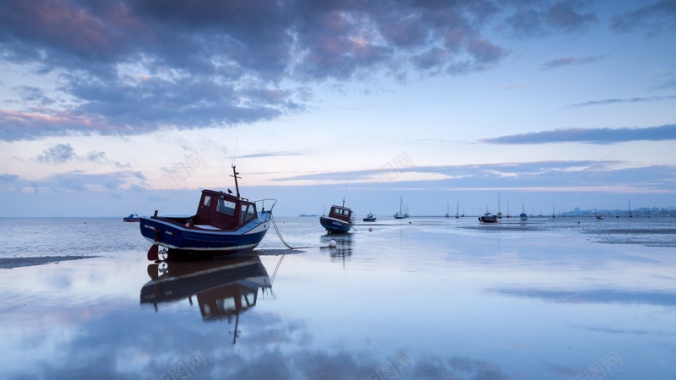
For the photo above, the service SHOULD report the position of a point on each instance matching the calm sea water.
(423, 298)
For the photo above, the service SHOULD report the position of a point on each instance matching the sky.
(114, 107)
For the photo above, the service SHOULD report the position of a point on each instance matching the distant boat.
(401, 214)
(370, 218)
(630, 214)
(132, 218)
(457, 209)
(340, 219)
(488, 218)
(448, 212)
(523, 215)
(223, 224)
(499, 212)
(599, 216)
(508, 210)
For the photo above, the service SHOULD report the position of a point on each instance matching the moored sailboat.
(523, 215)
(401, 214)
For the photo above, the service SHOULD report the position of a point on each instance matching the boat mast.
(234, 174)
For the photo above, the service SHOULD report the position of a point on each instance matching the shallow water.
(420, 298)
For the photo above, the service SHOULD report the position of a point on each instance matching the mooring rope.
(279, 234)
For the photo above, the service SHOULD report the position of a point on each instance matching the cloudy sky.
(112, 107)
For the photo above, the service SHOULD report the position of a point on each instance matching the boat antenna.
(234, 152)
(234, 174)
(345, 193)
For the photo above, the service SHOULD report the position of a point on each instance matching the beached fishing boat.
(370, 218)
(132, 218)
(223, 224)
(488, 218)
(339, 220)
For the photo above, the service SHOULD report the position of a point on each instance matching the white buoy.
(332, 243)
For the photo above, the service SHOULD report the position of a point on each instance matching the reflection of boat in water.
(223, 288)
(370, 218)
(343, 248)
(339, 220)
(224, 223)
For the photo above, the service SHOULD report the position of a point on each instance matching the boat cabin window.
(207, 200)
(247, 214)
(226, 207)
(341, 211)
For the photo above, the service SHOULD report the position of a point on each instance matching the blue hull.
(335, 226)
(175, 236)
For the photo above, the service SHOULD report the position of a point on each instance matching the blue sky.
(113, 107)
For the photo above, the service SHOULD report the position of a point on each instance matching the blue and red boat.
(340, 219)
(223, 224)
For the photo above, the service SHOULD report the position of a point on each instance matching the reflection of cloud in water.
(133, 345)
(595, 296)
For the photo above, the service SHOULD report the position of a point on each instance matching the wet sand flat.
(17, 262)
(420, 299)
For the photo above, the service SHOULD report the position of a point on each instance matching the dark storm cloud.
(653, 18)
(131, 67)
(591, 136)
